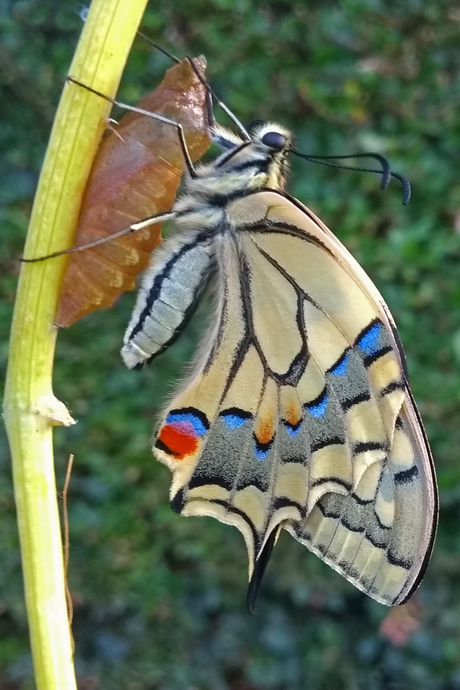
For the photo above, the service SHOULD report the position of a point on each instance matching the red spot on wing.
(178, 439)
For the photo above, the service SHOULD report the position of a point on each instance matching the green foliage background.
(159, 600)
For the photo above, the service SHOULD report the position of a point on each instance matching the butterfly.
(297, 413)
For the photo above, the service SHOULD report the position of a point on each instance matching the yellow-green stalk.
(31, 409)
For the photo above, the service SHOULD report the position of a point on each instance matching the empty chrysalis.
(136, 174)
(297, 414)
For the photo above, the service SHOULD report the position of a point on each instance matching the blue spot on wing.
(340, 368)
(318, 410)
(234, 418)
(292, 429)
(189, 418)
(232, 421)
(317, 407)
(261, 453)
(369, 342)
(262, 448)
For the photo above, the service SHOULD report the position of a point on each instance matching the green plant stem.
(31, 409)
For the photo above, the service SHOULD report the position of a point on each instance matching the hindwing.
(298, 415)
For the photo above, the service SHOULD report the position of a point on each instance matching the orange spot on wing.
(265, 430)
(179, 439)
(293, 415)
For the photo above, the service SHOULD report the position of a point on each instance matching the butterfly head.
(271, 137)
(260, 161)
(271, 144)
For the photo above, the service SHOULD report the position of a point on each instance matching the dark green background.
(159, 599)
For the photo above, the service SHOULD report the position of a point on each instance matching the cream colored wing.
(299, 415)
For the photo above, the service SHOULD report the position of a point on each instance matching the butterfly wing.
(299, 415)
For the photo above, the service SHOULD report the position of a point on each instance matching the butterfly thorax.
(246, 167)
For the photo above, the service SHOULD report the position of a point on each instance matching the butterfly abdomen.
(168, 297)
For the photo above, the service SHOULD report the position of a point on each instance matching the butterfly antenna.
(218, 102)
(209, 90)
(385, 171)
(190, 60)
(158, 47)
(407, 192)
(82, 11)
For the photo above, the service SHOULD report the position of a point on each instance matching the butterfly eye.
(274, 140)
